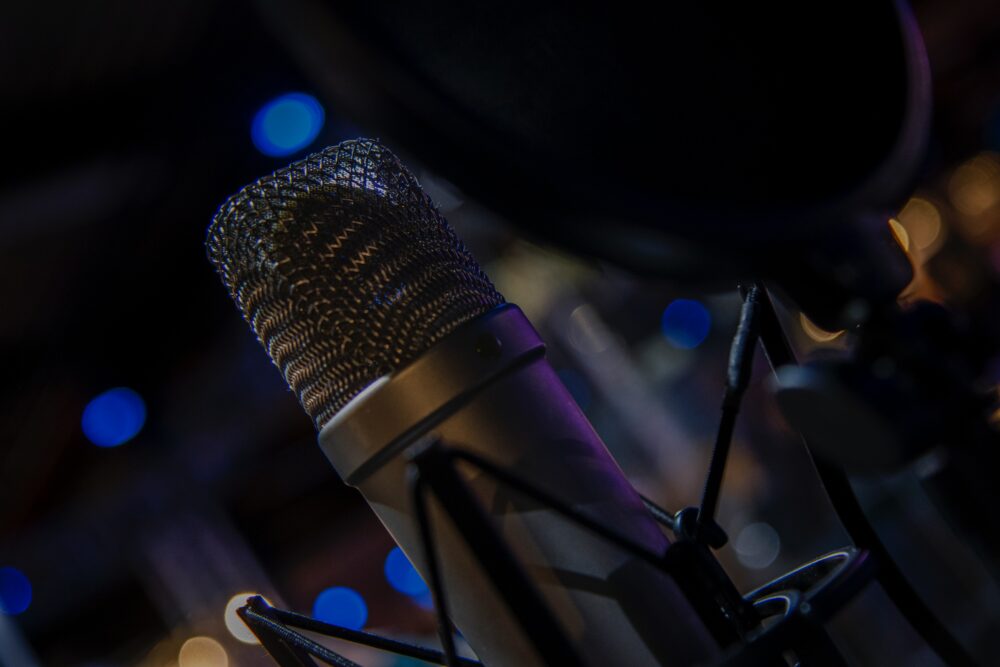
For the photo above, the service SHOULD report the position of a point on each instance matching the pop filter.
(672, 138)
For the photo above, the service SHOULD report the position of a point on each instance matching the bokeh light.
(202, 652)
(921, 220)
(974, 187)
(757, 545)
(237, 628)
(900, 234)
(113, 417)
(815, 332)
(15, 591)
(341, 606)
(402, 576)
(587, 333)
(287, 124)
(686, 323)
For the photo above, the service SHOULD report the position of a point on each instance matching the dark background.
(125, 125)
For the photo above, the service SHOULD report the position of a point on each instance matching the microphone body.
(488, 388)
(388, 331)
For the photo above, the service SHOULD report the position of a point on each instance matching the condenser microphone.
(388, 331)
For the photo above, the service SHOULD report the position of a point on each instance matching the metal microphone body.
(488, 388)
(389, 333)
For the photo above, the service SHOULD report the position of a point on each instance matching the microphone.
(389, 332)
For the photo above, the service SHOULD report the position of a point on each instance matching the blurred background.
(153, 465)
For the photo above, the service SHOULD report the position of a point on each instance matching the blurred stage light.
(900, 234)
(287, 124)
(974, 188)
(757, 546)
(403, 576)
(237, 628)
(202, 652)
(15, 591)
(587, 332)
(341, 606)
(686, 323)
(114, 417)
(816, 333)
(922, 222)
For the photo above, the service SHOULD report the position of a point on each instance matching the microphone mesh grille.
(344, 270)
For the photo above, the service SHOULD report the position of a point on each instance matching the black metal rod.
(661, 515)
(528, 608)
(852, 516)
(716, 471)
(893, 581)
(293, 649)
(436, 583)
(283, 653)
(693, 568)
(291, 619)
(801, 629)
(738, 375)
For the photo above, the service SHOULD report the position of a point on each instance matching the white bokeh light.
(757, 545)
(202, 652)
(237, 628)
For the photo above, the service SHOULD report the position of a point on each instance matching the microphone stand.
(838, 487)
(801, 600)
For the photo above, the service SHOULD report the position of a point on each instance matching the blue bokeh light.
(686, 323)
(287, 124)
(15, 591)
(403, 576)
(114, 417)
(341, 606)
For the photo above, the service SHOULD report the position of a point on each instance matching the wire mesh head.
(344, 270)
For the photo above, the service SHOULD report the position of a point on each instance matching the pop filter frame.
(635, 192)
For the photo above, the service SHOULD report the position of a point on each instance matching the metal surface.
(509, 578)
(850, 512)
(393, 411)
(345, 270)
(804, 598)
(505, 404)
